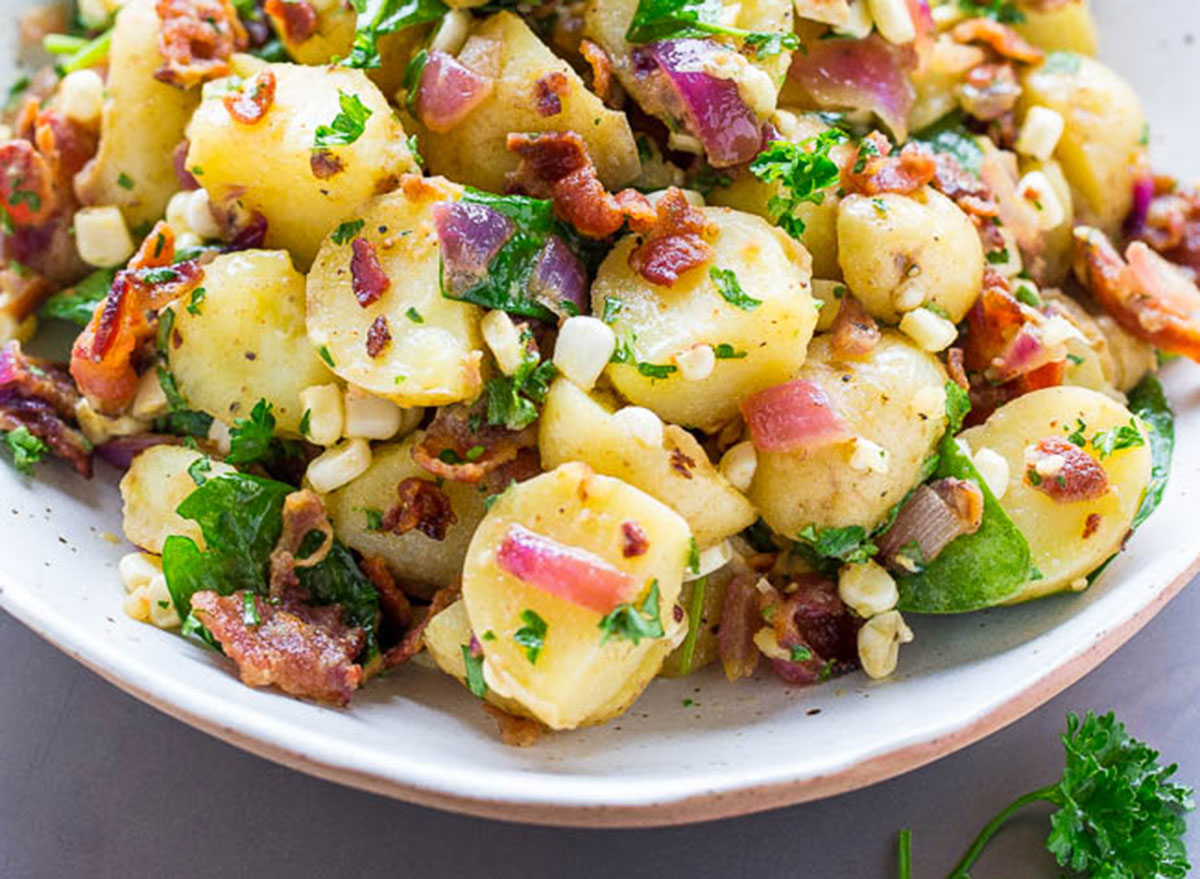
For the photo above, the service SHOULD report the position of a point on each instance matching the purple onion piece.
(470, 235)
(1143, 195)
(121, 451)
(559, 278)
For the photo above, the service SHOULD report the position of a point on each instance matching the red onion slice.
(121, 451)
(1143, 196)
(935, 515)
(740, 619)
(568, 572)
(470, 235)
(793, 416)
(448, 91)
(559, 281)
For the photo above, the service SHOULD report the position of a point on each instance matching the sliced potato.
(659, 323)
(1063, 27)
(445, 637)
(414, 558)
(1066, 546)
(1101, 150)
(899, 252)
(436, 348)
(1053, 264)
(300, 207)
(577, 427)
(154, 487)
(245, 341)
(142, 123)
(892, 399)
(473, 152)
(576, 679)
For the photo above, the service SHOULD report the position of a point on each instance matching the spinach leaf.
(657, 20)
(77, 304)
(1149, 402)
(379, 17)
(975, 570)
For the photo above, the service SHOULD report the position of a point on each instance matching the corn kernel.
(696, 363)
(879, 643)
(92, 13)
(867, 588)
(102, 237)
(712, 559)
(893, 20)
(869, 457)
(504, 340)
(218, 434)
(452, 33)
(993, 467)
(82, 96)
(324, 415)
(137, 569)
(583, 349)
(200, 217)
(339, 465)
(370, 417)
(642, 424)
(930, 331)
(150, 401)
(1042, 130)
(1035, 188)
(859, 24)
(738, 465)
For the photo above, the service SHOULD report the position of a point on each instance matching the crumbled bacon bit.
(556, 165)
(906, 173)
(325, 164)
(423, 507)
(814, 619)
(1091, 525)
(414, 638)
(963, 188)
(370, 280)
(197, 39)
(673, 241)
(854, 333)
(187, 180)
(548, 92)
(634, 541)
(40, 397)
(1002, 39)
(26, 183)
(303, 513)
(396, 611)
(954, 367)
(601, 66)
(296, 18)
(1172, 223)
(379, 336)
(249, 103)
(682, 464)
(516, 732)
(461, 446)
(990, 91)
(303, 650)
(1064, 472)
(740, 620)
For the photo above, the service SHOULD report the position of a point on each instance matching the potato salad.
(561, 345)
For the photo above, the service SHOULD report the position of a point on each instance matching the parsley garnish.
(687, 650)
(731, 289)
(513, 400)
(657, 20)
(198, 468)
(414, 315)
(474, 664)
(1127, 436)
(656, 370)
(193, 306)
(634, 624)
(26, 448)
(849, 545)
(1003, 11)
(253, 439)
(374, 518)
(693, 557)
(250, 615)
(124, 181)
(958, 405)
(347, 126)
(800, 653)
(347, 231)
(323, 351)
(612, 307)
(725, 351)
(305, 422)
(804, 171)
(379, 17)
(532, 635)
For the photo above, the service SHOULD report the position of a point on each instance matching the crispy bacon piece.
(296, 18)
(673, 242)
(370, 280)
(303, 650)
(516, 732)
(422, 507)
(197, 38)
(325, 164)
(990, 91)
(102, 360)
(249, 103)
(1064, 472)
(303, 513)
(396, 612)
(964, 189)
(26, 183)
(1091, 525)
(601, 66)
(556, 165)
(854, 333)
(740, 619)
(1002, 39)
(634, 541)
(815, 625)
(954, 367)
(461, 446)
(548, 92)
(379, 336)
(1172, 223)
(40, 396)
(906, 173)
(414, 638)
(1147, 295)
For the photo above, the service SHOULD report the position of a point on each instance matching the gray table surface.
(95, 784)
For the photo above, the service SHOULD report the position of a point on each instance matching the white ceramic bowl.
(417, 735)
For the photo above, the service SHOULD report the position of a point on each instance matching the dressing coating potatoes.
(154, 486)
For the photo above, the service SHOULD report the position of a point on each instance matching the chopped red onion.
(448, 91)
(470, 235)
(559, 278)
(121, 451)
(935, 515)
(568, 572)
(1143, 195)
(792, 416)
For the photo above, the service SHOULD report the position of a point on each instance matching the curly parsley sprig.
(804, 171)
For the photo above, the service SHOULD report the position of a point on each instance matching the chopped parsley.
(26, 449)
(198, 468)
(379, 17)
(831, 547)
(800, 653)
(306, 422)
(193, 306)
(513, 400)
(1127, 436)
(250, 615)
(374, 518)
(1003, 11)
(124, 181)
(323, 351)
(657, 20)
(687, 650)
(532, 635)
(252, 439)
(725, 351)
(731, 289)
(612, 307)
(634, 623)
(347, 126)
(998, 257)
(804, 172)
(474, 664)
(656, 370)
(693, 557)
(347, 231)
(414, 315)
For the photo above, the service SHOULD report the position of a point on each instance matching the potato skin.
(577, 427)
(153, 487)
(474, 152)
(1055, 531)
(1101, 150)
(576, 680)
(661, 322)
(413, 558)
(428, 363)
(909, 250)
(875, 398)
(299, 207)
(246, 342)
(142, 123)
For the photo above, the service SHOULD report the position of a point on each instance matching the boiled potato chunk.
(142, 123)
(1101, 149)
(659, 323)
(473, 152)
(894, 398)
(436, 348)
(1052, 265)
(576, 427)
(1065, 548)
(445, 637)
(1070, 27)
(154, 487)
(576, 679)
(245, 341)
(268, 166)
(899, 252)
(412, 557)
